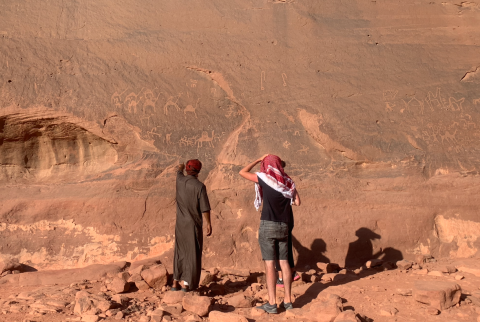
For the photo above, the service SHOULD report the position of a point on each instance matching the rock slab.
(438, 294)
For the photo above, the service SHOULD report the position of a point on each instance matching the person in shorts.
(276, 190)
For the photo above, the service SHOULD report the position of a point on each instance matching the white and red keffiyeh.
(272, 173)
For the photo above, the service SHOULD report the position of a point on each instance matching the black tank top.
(275, 206)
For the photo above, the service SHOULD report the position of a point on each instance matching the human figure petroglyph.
(168, 138)
(388, 107)
(170, 102)
(304, 149)
(205, 138)
(191, 109)
(262, 79)
(150, 100)
(116, 98)
(284, 78)
(132, 101)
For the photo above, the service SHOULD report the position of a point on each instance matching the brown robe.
(192, 201)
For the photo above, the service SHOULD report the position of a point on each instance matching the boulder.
(326, 307)
(10, 265)
(118, 285)
(90, 318)
(199, 305)
(155, 276)
(471, 270)
(373, 263)
(404, 264)
(173, 297)
(347, 316)
(240, 300)
(135, 278)
(173, 309)
(216, 316)
(449, 269)
(236, 272)
(438, 294)
(137, 269)
(157, 315)
(206, 278)
(142, 285)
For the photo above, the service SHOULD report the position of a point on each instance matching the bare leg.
(271, 281)
(287, 280)
(280, 275)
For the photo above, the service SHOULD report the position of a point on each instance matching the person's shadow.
(309, 257)
(361, 250)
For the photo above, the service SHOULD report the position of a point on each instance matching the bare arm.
(245, 172)
(206, 214)
(180, 167)
(297, 200)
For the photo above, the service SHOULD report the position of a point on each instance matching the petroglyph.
(191, 109)
(170, 102)
(205, 138)
(116, 98)
(284, 78)
(286, 144)
(168, 137)
(150, 100)
(132, 101)
(476, 101)
(389, 95)
(304, 149)
(389, 106)
(185, 141)
(413, 103)
(289, 117)
(262, 80)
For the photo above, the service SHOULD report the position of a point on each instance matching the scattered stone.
(347, 316)
(135, 278)
(206, 278)
(404, 292)
(240, 301)
(328, 277)
(156, 317)
(216, 316)
(236, 272)
(326, 307)
(404, 264)
(416, 266)
(119, 315)
(118, 285)
(120, 299)
(474, 271)
(325, 267)
(432, 311)
(142, 285)
(435, 273)
(315, 278)
(173, 297)
(256, 312)
(193, 318)
(388, 311)
(438, 294)
(422, 272)
(199, 305)
(90, 318)
(448, 269)
(156, 276)
(459, 277)
(173, 309)
(144, 319)
(373, 263)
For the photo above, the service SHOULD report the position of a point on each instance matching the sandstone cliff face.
(373, 104)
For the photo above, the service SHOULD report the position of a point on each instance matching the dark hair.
(283, 164)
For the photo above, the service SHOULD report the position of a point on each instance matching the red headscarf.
(272, 173)
(193, 167)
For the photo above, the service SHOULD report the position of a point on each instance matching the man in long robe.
(192, 202)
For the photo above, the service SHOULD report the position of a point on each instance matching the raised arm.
(297, 201)
(245, 172)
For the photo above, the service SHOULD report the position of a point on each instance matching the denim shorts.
(273, 240)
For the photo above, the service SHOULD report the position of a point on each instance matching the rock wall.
(374, 105)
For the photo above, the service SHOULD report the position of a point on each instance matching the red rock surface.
(374, 105)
